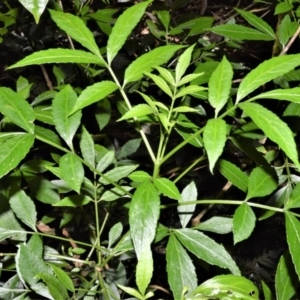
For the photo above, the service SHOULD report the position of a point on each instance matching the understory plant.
(84, 181)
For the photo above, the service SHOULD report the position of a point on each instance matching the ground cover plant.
(161, 164)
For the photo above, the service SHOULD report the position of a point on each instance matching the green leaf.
(115, 194)
(71, 171)
(87, 147)
(56, 289)
(23, 87)
(239, 32)
(103, 113)
(36, 8)
(166, 75)
(144, 269)
(63, 277)
(293, 239)
(233, 174)
(11, 288)
(129, 148)
(47, 136)
(28, 265)
(10, 227)
(226, 287)
(131, 291)
(44, 115)
(207, 249)
(262, 181)
(274, 128)
(117, 174)
(188, 78)
(185, 109)
(267, 292)
(186, 133)
(16, 109)
(106, 160)
(183, 63)
(139, 176)
(266, 71)
(286, 279)
(24, 208)
(283, 7)
(257, 22)
(43, 190)
(160, 83)
(51, 56)
(114, 233)
(94, 93)
(243, 223)
(143, 216)
(167, 188)
(292, 95)
(294, 198)
(148, 61)
(139, 110)
(180, 268)
(74, 201)
(12, 151)
(123, 27)
(219, 85)
(76, 29)
(185, 212)
(189, 90)
(220, 225)
(214, 139)
(164, 17)
(61, 107)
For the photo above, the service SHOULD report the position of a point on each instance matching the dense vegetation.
(149, 150)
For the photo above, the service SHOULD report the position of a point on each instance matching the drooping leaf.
(274, 128)
(257, 22)
(143, 216)
(233, 174)
(214, 138)
(180, 268)
(144, 269)
(220, 225)
(36, 8)
(207, 249)
(266, 71)
(243, 222)
(53, 56)
(167, 188)
(87, 147)
(185, 212)
(62, 105)
(219, 85)
(286, 279)
(117, 173)
(238, 287)
(93, 93)
(292, 226)
(123, 27)
(12, 151)
(239, 32)
(148, 61)
(76, 29)
(262, 181)
(183, 63)
(24, 208)
(16, 109)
